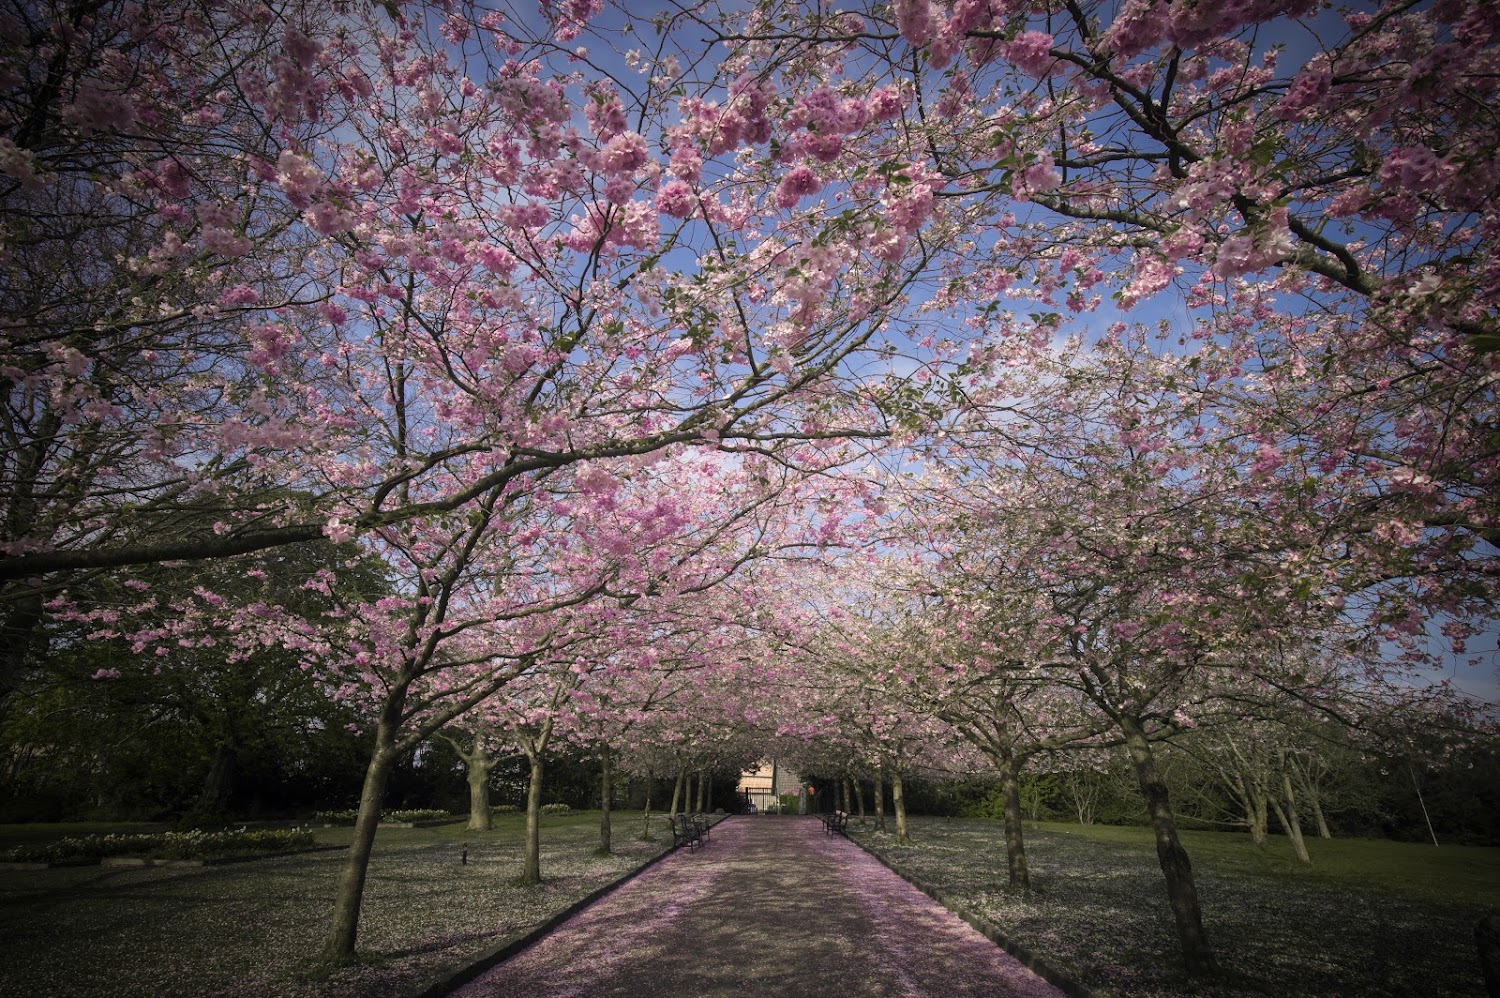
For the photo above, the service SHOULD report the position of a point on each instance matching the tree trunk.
(477, 765)
(1423, 804)
(1015, 841)
(1322, 822)
(880, 800)
(1258, 818)
(677, 791)
(646, 815)
(898, 804)
(218, 788)
(338, 950)
(1252, 801)
(1306, 776)
(1315, 801)
(481, 818)
(531, 872)
(859, 799)
(1290, 821)
(606, 791)
(1182, 893)
(1243, 776)
(702, 793)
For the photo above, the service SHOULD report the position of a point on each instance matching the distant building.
(764, 785)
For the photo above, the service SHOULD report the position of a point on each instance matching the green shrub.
(503, 809)
(992, 806)
(424, 814)
(1042, 799)
(165, 845)
(336, 817)
(347, 817)
(555, 809)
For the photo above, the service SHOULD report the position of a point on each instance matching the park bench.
(836, 822)
(685, 831)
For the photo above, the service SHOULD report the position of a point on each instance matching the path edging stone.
(452, 980)
(988, 928)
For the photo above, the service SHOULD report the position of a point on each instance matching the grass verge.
(252, 930)
(1367, 919)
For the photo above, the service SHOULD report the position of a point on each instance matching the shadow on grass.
(438, 945)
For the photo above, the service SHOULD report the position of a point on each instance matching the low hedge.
(164, 845)
(347, 817)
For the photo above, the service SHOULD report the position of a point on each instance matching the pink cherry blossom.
(675, 198)
(624, 154)
(1030, 51)
(797, 183)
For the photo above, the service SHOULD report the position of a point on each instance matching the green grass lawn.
(1450, 874)
(1367, 919)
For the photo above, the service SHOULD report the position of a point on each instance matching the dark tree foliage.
(203, 734)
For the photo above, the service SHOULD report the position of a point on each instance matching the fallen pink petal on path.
(772, 906)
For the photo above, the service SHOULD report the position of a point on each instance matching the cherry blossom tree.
(529, 713)
(999, 701)
(129, 201)
(1109, 510)
(225, 706)
(1258, 170)
(403, 258)
(611, 570)
(1283, 177)
(1153, 141)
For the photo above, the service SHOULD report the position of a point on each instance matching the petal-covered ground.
(251, 930)
(772, 906)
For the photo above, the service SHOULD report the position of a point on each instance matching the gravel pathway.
(771, 907)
